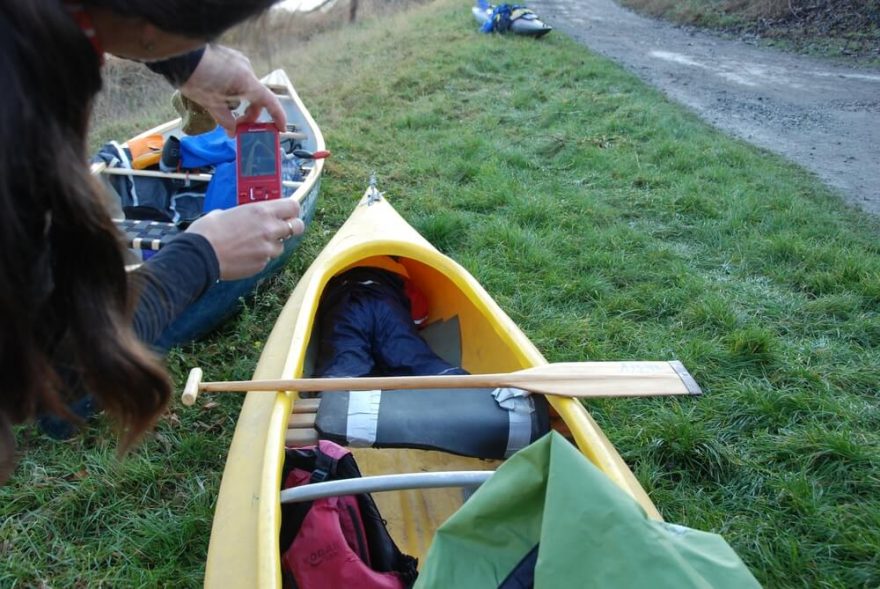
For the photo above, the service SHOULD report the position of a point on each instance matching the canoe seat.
(467, 422)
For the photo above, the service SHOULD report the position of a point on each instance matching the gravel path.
(823, 116)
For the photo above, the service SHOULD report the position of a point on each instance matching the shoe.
(195, 120)
(59, 428)
(170, 160)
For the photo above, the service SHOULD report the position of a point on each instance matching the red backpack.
(336, 541)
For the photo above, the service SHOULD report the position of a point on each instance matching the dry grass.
(759, 9)
(274, 34)
(133, 98)
(832, 28)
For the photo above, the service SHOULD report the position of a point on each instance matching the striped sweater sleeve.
(172, 280)
(177, 70)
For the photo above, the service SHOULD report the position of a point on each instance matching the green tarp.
(587, 531)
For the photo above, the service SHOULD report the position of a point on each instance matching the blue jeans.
(366, 329)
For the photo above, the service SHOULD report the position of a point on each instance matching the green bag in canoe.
(549, 518)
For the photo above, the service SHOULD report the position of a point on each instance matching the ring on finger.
(292, 230)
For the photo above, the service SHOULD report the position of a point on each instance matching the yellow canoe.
(244, 546)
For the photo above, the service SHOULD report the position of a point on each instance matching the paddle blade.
(607, 379)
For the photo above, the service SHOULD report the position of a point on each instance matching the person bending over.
(66, 301)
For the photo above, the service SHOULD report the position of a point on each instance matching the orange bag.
(146, 151)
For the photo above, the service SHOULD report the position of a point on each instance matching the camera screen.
(258, 152)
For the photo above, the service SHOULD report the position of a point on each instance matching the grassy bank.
(844, 29)
(609, 224)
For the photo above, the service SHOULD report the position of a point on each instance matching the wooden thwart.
(568, 379)
(301, 423)
(297, 438)
(301, 420)
(175, 175)
(306, 406)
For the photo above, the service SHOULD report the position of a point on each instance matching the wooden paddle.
(567, 379)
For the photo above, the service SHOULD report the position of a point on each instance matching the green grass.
(609, 224)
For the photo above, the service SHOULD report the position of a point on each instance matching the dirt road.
(822, 116)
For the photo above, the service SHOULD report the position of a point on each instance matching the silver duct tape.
(363, 418)
(503, 395)
(519, 408)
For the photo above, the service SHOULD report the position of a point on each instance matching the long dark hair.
(62, 276)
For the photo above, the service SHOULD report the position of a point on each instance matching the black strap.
(325, 467)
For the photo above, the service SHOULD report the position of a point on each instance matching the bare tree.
(352, 10)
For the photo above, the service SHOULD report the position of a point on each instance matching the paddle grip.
(191, 389)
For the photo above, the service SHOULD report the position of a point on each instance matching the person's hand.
(246, 238)
(224, 76)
